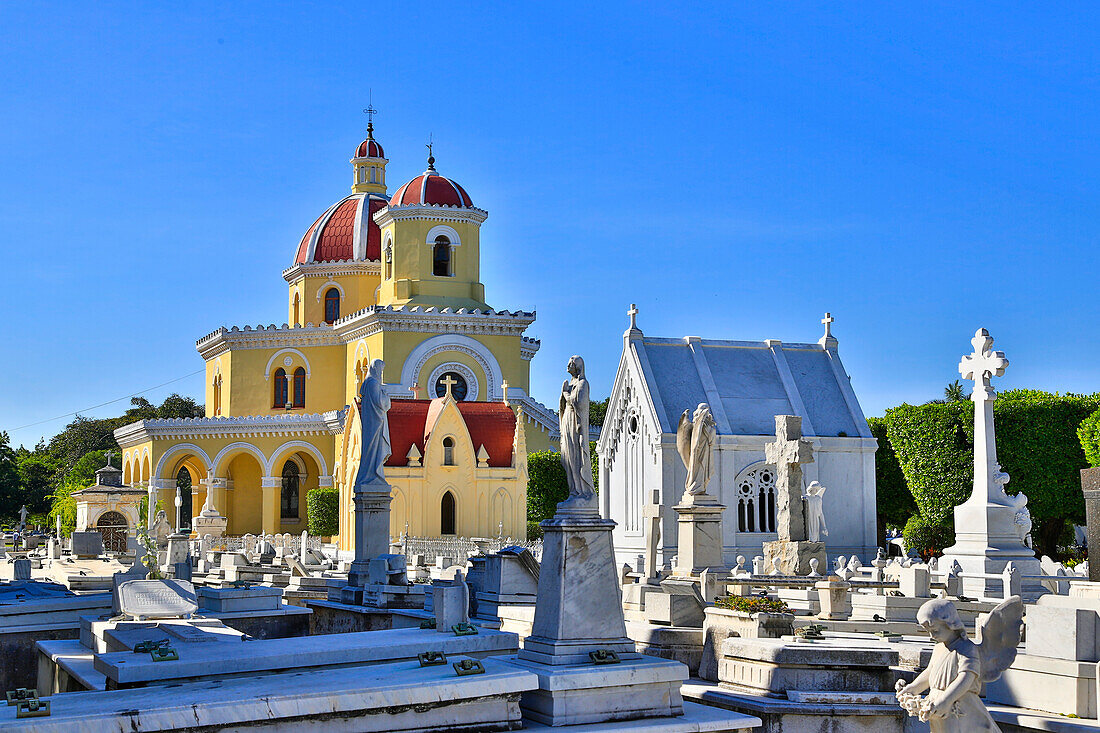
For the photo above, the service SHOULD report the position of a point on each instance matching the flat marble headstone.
(157, 598)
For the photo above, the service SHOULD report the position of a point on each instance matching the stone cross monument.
(987, 535)
(789, 451)
(792, 552)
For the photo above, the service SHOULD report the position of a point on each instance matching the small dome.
(334, 235)
(431, 188)
(370, 148)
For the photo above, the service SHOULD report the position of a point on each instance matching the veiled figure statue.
(958, 667)
(373, 404)
(573, 417)
(695, 440)
(815, 512)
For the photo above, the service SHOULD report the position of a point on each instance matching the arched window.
(756, 499)
(183, 491)
(447, 514)
(332, 305)
(289, 497)
(389, 262)
(297, 310)
(448, 451)
(299, 387)
(459, 388)
(280, 397)
(441, 257)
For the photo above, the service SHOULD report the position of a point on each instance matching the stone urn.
(720, 624)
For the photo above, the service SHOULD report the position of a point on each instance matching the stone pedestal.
(699, 539)
(579, 611)
(987, 542)
(372, 535)
(210, 523)
(1090, 484)
(833, 595)
(793, 557)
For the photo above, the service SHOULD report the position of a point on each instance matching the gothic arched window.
(441, 257)
(289, 499)
(332, 305)
(756, 499)
(299, 387)
(389, 262)
(280, 396)
(448, 451)
(447, 514)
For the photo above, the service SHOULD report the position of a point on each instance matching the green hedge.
(1037, 445)
(894, 501)
(1089, 435)
(323, 511)
(547, 485)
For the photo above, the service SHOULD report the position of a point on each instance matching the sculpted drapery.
(374, 403)
(573, 416)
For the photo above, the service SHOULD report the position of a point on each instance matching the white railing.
(460, 548)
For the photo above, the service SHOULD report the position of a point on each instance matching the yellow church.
(374, 277)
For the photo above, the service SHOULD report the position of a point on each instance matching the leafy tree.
(1089, 435)
(81, 437)
(955, 392)
(547, 485)
(596, 411)
(11, 495)
(323, 511)
(175, 405)
(80, 476)
(36, 479)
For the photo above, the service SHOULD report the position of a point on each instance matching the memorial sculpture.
(959, 667)
(695, 439)
(791, 553)
(815, 512)
(575, 455)
(161, 529)
(373, 405)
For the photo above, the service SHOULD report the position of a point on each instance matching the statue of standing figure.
(958, 667)
(695, 440)
(373, 404)
(573, 418)
(815, 512)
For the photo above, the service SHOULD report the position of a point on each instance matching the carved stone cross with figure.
(789, 451)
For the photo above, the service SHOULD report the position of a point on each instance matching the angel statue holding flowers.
(958, 668)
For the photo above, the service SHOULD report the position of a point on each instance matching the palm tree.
(954, 392)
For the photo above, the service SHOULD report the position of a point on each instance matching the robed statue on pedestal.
(695, 440)
(573, 418)
(373, 404)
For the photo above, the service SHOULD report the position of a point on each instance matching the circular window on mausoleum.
(457, 383)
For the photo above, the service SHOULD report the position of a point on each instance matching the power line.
(111, 402)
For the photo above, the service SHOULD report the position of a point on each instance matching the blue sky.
(736, 170)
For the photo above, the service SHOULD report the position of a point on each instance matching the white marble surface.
(696, 719)
(361, 699)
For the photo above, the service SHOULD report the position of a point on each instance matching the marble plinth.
(987, 541)
(642, 687)
(699, 536)
(793, 558)
(212, 524)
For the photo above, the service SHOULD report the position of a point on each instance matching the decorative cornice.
(434, 212)
(251, 426)
(528, 347)
(430, 319)
(332, 269)
(271, 337)
(539, 414)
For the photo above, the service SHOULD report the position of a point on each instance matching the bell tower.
(369, 162)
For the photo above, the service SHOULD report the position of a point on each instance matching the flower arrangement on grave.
(752, 604)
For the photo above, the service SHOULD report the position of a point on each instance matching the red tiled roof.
(430, 188)
(336, 240)
(303, 247)
(492, 424)
(374, 234)
(369, 148)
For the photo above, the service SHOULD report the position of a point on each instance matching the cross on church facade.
(633, 313)
(448, 382)
(827, 321)
(789, 451)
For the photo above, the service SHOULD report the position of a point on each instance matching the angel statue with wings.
(695, 439)
(958, 668)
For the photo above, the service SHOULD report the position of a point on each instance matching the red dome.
(431, 188)
(332, 237)
(370, 148)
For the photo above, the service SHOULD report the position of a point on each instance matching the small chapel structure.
(746, 384)
(109, 507)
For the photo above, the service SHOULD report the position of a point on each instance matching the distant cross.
(500, 529)
(108, 458)
(370, 112)
(415, 389)
(431, 157)
(789, 451)
(984, 364)
(448, 382)
(651, 514)
(828, 322)
(633, 313)
(504, 388)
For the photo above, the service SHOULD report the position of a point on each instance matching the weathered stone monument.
(578, 615)
(371, 491)
(699, 542)
(987, 525)
(791, 553)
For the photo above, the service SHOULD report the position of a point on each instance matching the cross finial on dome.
(370, 112)
(431, 158)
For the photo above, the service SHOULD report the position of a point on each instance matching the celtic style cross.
(981, 366)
